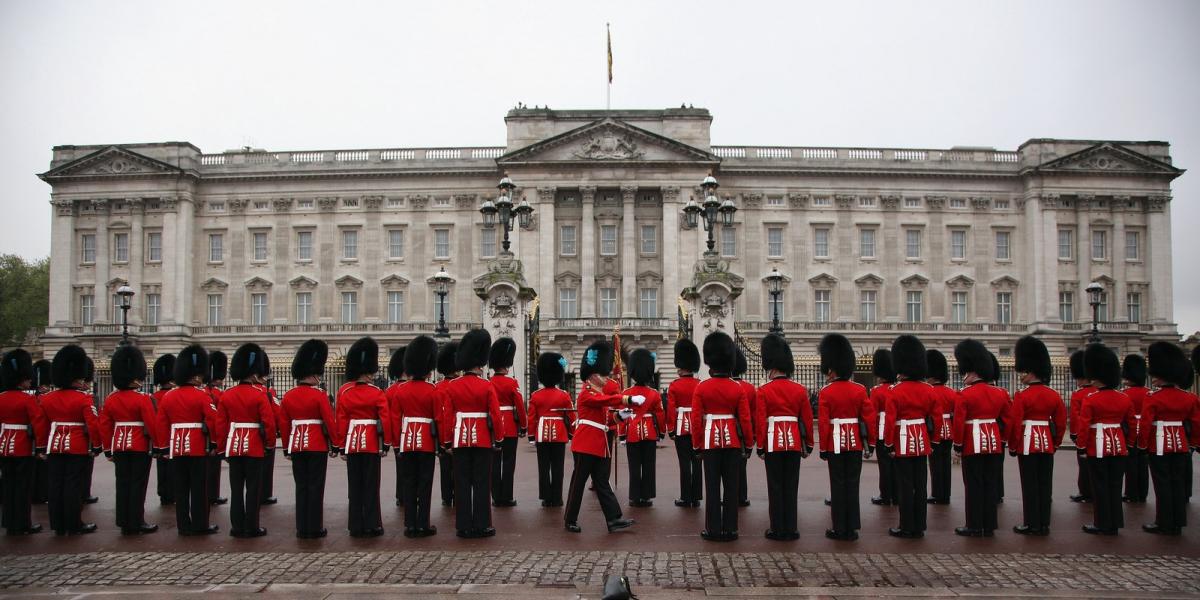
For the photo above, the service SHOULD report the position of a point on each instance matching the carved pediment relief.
(393, 280)
(869, 280)
(258, 283)
(112, 161)
(303, 283)
(823, 280)
(1005, 282)
(348, 281)
(1109, 158)
(914, 280)
(960, 281)
(608, 140)
(212, 284)
(115, 283)
(567, 279)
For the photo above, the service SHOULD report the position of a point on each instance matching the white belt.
(356, 422)
(296, 425)
(54, 425)
(1029, 425)
(977, 429)
(458, 419)
(176, 427)
(1160, 434)
(236, 426)
(903, 425)
(679, 418)
(882, 421)
(17, 426)
(542, 424)
(404, 428)
(1100, 427)
(837, 432)
(708, 425)
(508, 408)
(947, 416)
(120, 424)
(771, 421)
(600, 426)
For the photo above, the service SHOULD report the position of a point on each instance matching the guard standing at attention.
(1169, 415)
(939, 458)
(41, 386)
(126, 422)
(395, 371)
(306, 421)
(739, 370)
(783, 429)
(720, 417)
(22, 424)
(881, 367)
(846, 422)
(164, 380)
(1103, 420)
(246, 422)
(1036, 425)
(187, 426)
(1137, 466)
(74, 436)
(512, 424)
(978, 422)
(448, 369)
(1083, 389)
(415, 415)
(214, 384)
(643, 429)
(267, 490)
(679, 423)
(912, 421)
(471, 414)
(550, 412)
(361, 434)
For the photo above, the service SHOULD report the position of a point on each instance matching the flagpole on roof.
(608, 94)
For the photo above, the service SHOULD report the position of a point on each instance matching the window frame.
(568, 302)
(449, 243)
(266, 246)
(908, 244)
(958, 252)
(653, 239)
(349, 300)
(872, 232)
(394, 301)
(648, 295)
(395, 243)
(1069, 246)
(153, 308)
(311, 234)
(216, 247)
(615, 302)
(562, 240)
(1007, 246)
(823, 306)
(821, 237)
(304, 311)
(863, 304)
(615, 241)
(919, 304)
(349, 243)
(775, 229)
(1004, 307)
(117, 237)
(152, 248)
(214, 309)
(257, 318)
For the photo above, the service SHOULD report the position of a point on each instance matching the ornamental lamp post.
(710, 209)
(503, 210)
(441, 287)
(126, 294)
(775, 287)
(1095, 292)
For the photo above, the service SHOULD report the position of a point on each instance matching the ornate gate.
(755, 373)
(533, 345)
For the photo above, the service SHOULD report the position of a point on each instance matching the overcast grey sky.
(324, 75)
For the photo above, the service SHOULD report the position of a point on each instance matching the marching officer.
(41, 386)
(720, 417)
(448, 369)
(361, 434)
(74, 436)
(396, 373)
(881, 367)
(550, 413)
(307, 420)
(739, 370)
(1036, 425)
(186, 424)
(679, 423)
(512, 424)
(939, 458)
(1083, 389)
(1168, 416)
(126, 424)
(643, 429)
(164, 379)
(1104, 418)
(22, 425)
(847, 429)
(978, 421)
(471, 412)
(1137, 466)
(246, 424)
(214, 384)
(783, 429)
(912, 420)
(414, 414)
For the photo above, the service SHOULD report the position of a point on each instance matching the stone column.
(630, 250)
(548, 249)
(137, 261)
(669, 252)
(103, 307)
(1158, 252)
(1040, 253)
(186, 255)
(587, 254)
(64, 254)
(171, 312)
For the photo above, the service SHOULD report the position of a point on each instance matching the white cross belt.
(542, 425)
(458, 420)
(771, 421)
(296, 425)
(708, 425)
(837, 432)
(233, 427)
(679, 416)
(1160, 434)
(903, 425)
(1100, 427)
(600, 426)
(1029, 425)
(178, 427)
(977, 429)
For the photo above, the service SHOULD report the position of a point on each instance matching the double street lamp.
(711, 209)
(775, 287)
(441, 287)
(1095, 292)
(504, 210)
(126, 294)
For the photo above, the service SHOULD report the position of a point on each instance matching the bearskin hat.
(447, 359)
(128, 365)
(191, 362)
(1133, 369)
(17, 367)
(1169, 363)
(973, 357)
(70, 364)
(687, 356)
(881, 365)
(362, 358)
(420, 357)
(502, 354)
(1195, 358)
(396, 364)
(837, 355)
(908, 358)
(218, 366)
(551, 367)
(776, 354)
(720, 352)
(249, 360)
(473, 350)
(310, 359)
(939, 368)
(1032, 357)
(1077, 370)
(1102, 366)
(42, 373)
(995, 374)
(164, 369)
(598, 358)
(641, 366)
(740, 366)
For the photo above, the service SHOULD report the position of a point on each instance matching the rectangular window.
(775, 306)
(608, 303)
(912, 202)
(822, 304)
(822, 201)
(395, 243)
(1099, 245)
(1066, 244)
(1003, 245)
(395, 303)
(304, 307)
(866, 243)
(487, 242)
(216, 247)
(1103, 306)
(154, 247)
(866, 201)
(912, 243)
(1066, 307)
(87, 254)
(304, 203)
(304, 245)
(350, 244)
(774, 200)
(728, 241)
(153, 308)
(958, 203)
(775, 242)
(866, 305)
(958, 244)
(912, 301)
(648, 305)
(121, 247)
(215, 303)
(115, 303)
(260, 245)
(566, 240)
(608, 240)
(258, 309)
(1004, 307)
(349, 307)
(1000, 204)
(958, 307)
(568, 305)
(87, 309)
(441, 243)
(821, 243)
(649, 239)
(1134, 302)
(1133, 245)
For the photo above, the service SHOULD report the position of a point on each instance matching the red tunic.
(470, 403)
(413, 413)
(783, 419)
(911, 406)
(550, 415)
(392, 393)
(1037, 420)
(74, 428)
(362, 411)
(277, 411)
(1077, 398)
(1137, 394)
(647, 421)
(843, 414)
(186, 422)
(720, 409)
(1103, 420)
(679, 405)
(752, 398)
(977, 419)
(878, 399)
(1166, 416)
(126, 422)
(22, 424)
(512, 406)
(947, 403)
(591, 429)
(306, 419)
(246, 421)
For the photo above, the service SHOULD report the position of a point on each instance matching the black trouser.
(939, 471)
(845, 471)
(245, 489)
(1000, 473)
(1084, 479)
(472, 481)
(1037, 485)
(41, 481)
(416, 473)
(1137, 474)
(550, 458)
(85, 488)
(641, 469)
(399, 479)
(214, 478)
(596, 468)
(980, 473)
(1106, 475)
(446, 476)
(267, 487)
(691, 480)
(166, 489)
(721, 485)
(189, 479)
(133, 475)
(362, 486)
(18, 488)
(783, 483)
(308, 471)
(887, 473)
(911, 479)
(66, 474)
(504, 464)
(744, 482)
(1170, 494)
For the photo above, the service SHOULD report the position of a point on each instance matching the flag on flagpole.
(606, 28)
(618, 367)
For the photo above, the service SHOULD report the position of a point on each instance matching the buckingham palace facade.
(280, 246)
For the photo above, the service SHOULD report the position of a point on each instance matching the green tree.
(24, 297)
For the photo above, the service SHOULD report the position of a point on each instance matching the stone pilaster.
(548, 248)
(587, 253)
(630, 250)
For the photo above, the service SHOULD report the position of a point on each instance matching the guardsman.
(784, 431)
(1002, 394)
(885, 377)
(720, 417)
(643, 429)
(448, 369)
(1187, 486)
(679, 423)
(939, 458)
(22, 424)
(307, 421)
(396, 374)
(214, 385)
(90, 390)
(978, 421)
(1036, 425)
(361, 434)
(739, 370)
(164, 380)
(1137, 466)
(1083, 389)
(267, 490)
(41, 474)
(126, 433)
(246, 423)
(414, 413)
(512, 424)
(74, 436)
(550, 413)
(1170, 430)
(847, 430)
(187, 427)
(1103, 420)
(912, 421)
(471, 415)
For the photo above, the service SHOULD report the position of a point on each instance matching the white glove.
(637, 400)
(625, 413)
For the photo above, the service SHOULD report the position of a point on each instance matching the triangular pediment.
(1005, 281)
(1107, 158)
(608, 141)
(258, 283)
(348, 281)
(302, 282)
(822, 279)
(113, 161)
(869, 279)
(394, 279)
(960, 281)
(213, 284)
(914, 280)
